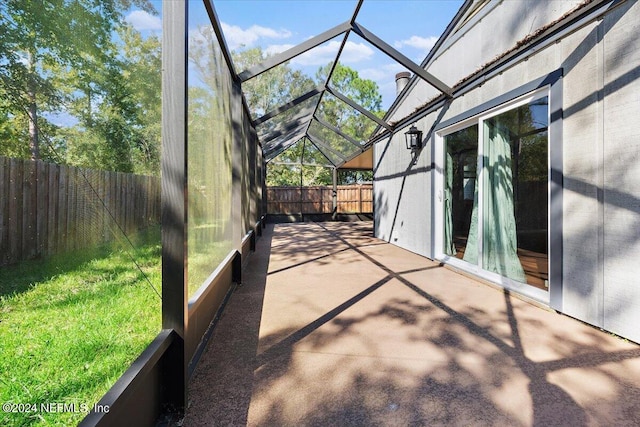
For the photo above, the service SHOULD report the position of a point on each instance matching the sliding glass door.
(495, 193)
(460, 188)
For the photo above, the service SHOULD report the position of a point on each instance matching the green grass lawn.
(71, 325)
(208, 247)
(202, 264)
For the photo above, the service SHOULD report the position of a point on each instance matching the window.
(495, 197)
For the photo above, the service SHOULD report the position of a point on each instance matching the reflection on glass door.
(461, 161)
(496, 216)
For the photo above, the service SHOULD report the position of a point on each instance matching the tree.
(272, 88)
(13, 127)
(41, 41)
(299, 165)
(144, 78)
(119, 108)
(364, 92)
(349, 176)
(304, 163)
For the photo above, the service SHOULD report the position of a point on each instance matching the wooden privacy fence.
(47, 208)
(357, 198)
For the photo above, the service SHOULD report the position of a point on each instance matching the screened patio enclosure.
(219, 139)
(322, 119)
(483, 189)
(315, 127)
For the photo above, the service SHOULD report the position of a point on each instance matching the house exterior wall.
(600, 149)
(402, 197)
(491, 32)
(621, 170)
(582, 120)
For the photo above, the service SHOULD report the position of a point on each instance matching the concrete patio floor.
(332, 327)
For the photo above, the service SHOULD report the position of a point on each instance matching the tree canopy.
(305, 162)
(79, 85)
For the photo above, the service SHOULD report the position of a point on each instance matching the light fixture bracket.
(413, 138)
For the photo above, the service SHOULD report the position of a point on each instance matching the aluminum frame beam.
(175, 308)
(279, 150)
(276, 151)
(284, 107)
(317, 165)
(320, 145)
(401, 59)
(217, 29)
(339, 132)
(289, 127)
(285, 137)
(289, 54)
(334, 65)
(358, 107)
(331, 164)
(286, 141)
(343, 43)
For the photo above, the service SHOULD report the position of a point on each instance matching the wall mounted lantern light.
(413, 138)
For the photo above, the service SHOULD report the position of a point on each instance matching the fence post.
(4, 199)
(29, 212)
(335, 193)
(42, 173)
(300, 190)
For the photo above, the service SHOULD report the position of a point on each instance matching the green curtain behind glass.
(449, 247)
(500, 239)
(471, 251)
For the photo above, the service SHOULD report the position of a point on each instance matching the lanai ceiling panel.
(275, 146)
(292, 155)
(255, 89)
(337, 143)
(319, 108)
(299, 114)
(363, 161)
(312, 155)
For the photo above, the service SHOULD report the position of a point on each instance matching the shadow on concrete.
(408, 342)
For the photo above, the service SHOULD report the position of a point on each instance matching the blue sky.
(412, 27)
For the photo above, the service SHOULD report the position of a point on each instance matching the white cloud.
(201, 35)
(277, 48)
(423, 44)
(142, 20)
(385, 77)
(237, 37)
(355, 52)
(382, 74)
(322, 55)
